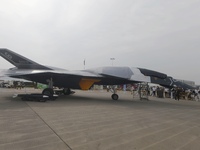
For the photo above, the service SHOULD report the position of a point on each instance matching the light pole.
(112, 59)
(84, 63)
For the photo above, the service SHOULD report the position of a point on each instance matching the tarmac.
(90, 120)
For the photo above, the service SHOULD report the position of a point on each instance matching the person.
(189, 95)
(196, 94)
(154, 91)
(132, 89)
(19, 85)
(173, 92)
(177, 93)
(107, 88)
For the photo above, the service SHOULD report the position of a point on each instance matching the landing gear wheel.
(115, 96)
(66, 91)
(48, 92)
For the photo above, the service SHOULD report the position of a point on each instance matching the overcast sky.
(162, 35)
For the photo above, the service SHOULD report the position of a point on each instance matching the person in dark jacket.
(177, 93)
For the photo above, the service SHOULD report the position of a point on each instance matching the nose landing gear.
(114, 96)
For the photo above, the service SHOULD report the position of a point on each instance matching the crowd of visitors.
(176, 93)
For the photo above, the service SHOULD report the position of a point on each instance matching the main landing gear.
(67, 91)
(50, 91)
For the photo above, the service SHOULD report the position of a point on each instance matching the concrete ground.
(90, 120)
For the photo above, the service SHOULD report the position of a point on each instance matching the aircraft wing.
(82, 79)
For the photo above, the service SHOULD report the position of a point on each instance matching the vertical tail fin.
(19, 61)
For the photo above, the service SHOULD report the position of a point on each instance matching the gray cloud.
(155, 34)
